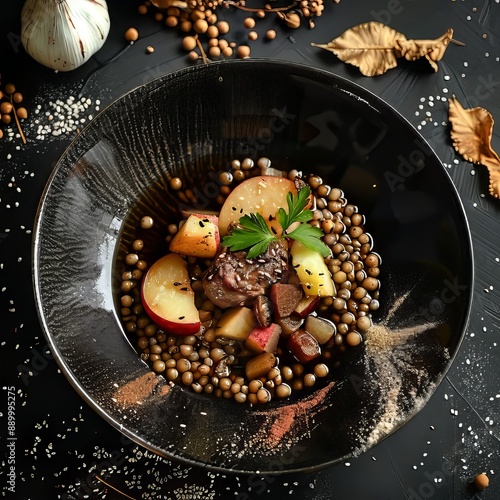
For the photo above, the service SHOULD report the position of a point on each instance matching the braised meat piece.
(234, 280)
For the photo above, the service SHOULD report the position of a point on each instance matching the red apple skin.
(264, 338)
(307, 305)
(174, 325)
(303, 346)
(181, 329)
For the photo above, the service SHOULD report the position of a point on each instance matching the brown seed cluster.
(353, 264)
(206, 36)
(208, 363)
(10, 109)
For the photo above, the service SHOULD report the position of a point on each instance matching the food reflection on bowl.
(120, 169)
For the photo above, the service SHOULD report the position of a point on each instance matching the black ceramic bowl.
(190, 124)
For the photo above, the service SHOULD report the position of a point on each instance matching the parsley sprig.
(255, 234)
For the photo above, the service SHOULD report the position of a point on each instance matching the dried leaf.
(471, 132)
(369, 46)
(375, 48)
(432, 50)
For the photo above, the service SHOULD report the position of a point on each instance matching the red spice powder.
(137, 390)
(289, 423)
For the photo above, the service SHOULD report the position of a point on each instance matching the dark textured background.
(63, 445)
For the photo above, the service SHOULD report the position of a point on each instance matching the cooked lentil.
(211, 365)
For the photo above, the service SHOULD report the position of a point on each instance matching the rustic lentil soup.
(253, 292)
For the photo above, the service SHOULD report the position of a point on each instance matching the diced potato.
(314, 274)
(236, 323)
(259, 365)
(321, 329)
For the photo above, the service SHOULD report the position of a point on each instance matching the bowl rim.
(342, 84)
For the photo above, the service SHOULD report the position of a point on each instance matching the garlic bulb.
(64, 34)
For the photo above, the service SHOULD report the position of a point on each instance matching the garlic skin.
(64, 34)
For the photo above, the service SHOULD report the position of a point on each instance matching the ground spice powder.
(137, 390)
(282, 427)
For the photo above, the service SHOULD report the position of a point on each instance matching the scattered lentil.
(243, 51)
(481, 481)
(131, 35)
(249, 22)
(271, 34)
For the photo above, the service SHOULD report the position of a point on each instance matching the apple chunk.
(314, 274)
(236, 323)
(197, 237)
(307, 305)
(320, 328)
(264, 338)
(168, 298)
(263, 194)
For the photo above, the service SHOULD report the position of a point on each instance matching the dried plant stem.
(457, 42)
(253, 9)
(18, 123)
(99, 478)
(202, 50)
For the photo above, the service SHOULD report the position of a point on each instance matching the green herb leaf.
(254, 234)
(296, 208)
(310, 237)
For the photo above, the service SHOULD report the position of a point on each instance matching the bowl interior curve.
(191, 124)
